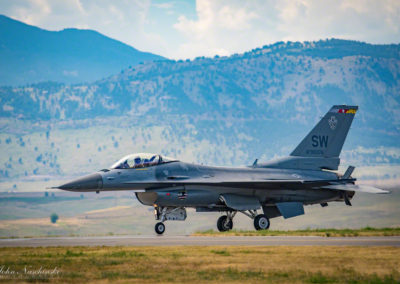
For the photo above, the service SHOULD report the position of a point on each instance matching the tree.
(53, 218)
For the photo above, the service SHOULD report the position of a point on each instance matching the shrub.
(53, 218)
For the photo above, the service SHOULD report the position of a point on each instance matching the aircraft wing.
(356, 188)
(237, 184)
(255, 184)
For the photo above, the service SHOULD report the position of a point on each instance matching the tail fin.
(326, 139)
(320, 149)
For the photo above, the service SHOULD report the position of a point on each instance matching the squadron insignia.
(182, 195)
(332, 122)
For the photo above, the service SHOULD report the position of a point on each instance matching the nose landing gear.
(167, 213)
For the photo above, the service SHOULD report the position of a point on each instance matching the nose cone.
(87, 183)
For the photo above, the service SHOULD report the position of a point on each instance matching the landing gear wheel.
(223, 224)
(261, 222)
(160, 228)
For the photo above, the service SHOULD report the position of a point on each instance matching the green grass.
(221, 252)
(367, 231)
(204, 264)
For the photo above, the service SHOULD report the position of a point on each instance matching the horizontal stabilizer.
(290, 209)
(356, 188)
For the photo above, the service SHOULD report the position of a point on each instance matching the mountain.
(279, 80)
(29, 54)
(221, 110)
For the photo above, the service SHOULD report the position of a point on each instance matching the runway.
(153, 240)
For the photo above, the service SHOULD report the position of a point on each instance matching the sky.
(180, 29)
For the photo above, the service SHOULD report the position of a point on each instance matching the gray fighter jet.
(279, 187)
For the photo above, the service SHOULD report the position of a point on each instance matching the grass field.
(363, 232)
(202, 264)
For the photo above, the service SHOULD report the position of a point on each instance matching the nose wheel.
(160, 228)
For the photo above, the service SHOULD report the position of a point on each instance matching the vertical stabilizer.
(326, 139)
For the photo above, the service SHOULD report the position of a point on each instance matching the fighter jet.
(279, 187)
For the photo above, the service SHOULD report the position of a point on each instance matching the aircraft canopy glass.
(140, 160)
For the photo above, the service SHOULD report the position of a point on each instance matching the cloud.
(51, 14)
(121, 19)
(378, 172)
(180, 29)
(226, 27)
(222, 28)
(367, 20)
(166, 6)
(387, 151)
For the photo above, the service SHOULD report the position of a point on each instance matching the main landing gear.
(261, 222)
(225, 222)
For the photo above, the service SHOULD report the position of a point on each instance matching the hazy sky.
(186, 29)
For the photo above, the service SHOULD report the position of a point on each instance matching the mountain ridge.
(220, 77)
(31, 54)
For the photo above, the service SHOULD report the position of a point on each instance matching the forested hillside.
(221, 110)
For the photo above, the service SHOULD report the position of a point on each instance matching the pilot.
(137, 162)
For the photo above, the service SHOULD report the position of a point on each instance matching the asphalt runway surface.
(153, 240)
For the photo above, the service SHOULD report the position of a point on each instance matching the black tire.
(160, 228)
(223, 224)
(261, 222)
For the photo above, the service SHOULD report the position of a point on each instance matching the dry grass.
(363, 232)
(207, 264)
(44, 222)
(108, 210)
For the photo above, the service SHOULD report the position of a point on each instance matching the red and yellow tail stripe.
(351, 110)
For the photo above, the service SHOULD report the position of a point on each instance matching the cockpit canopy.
(140, 160)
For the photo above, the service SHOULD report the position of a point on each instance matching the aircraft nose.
(86, 183)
